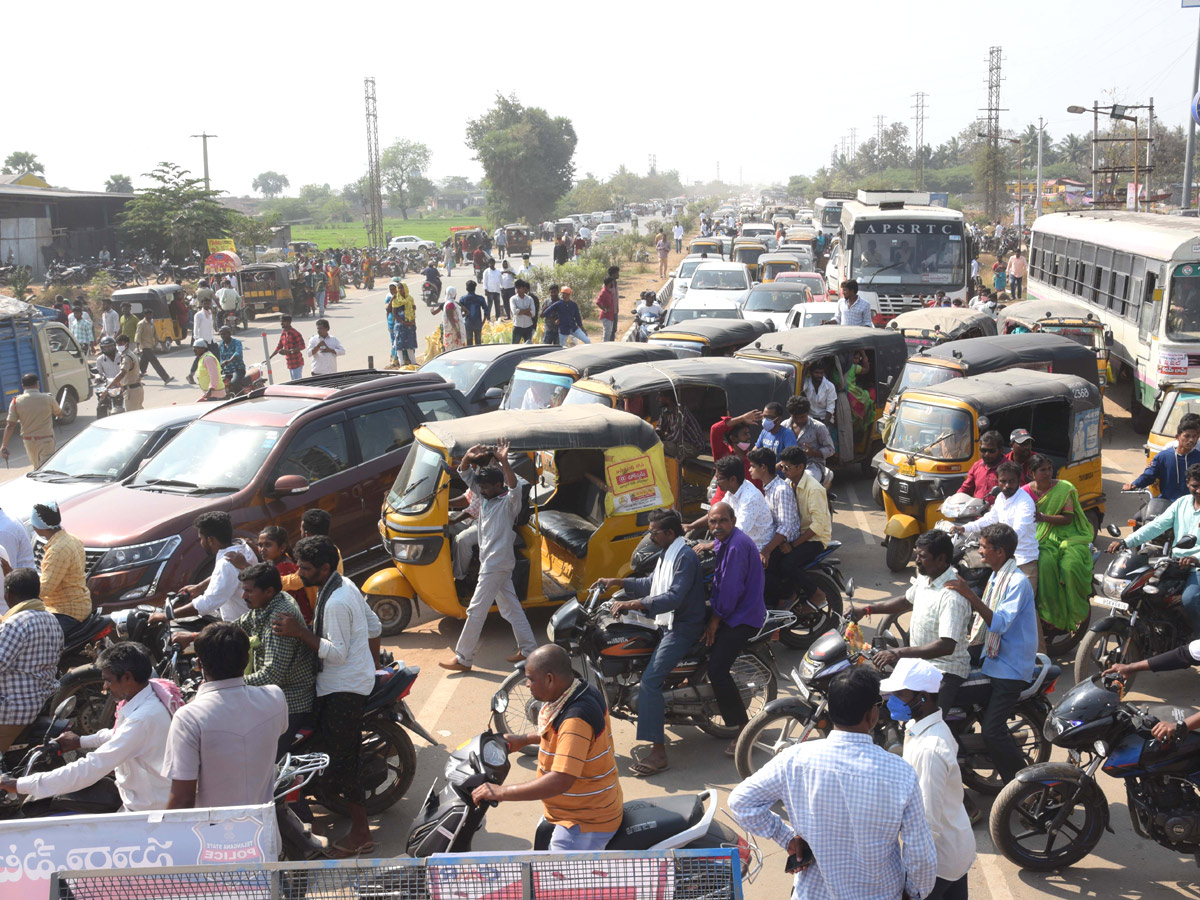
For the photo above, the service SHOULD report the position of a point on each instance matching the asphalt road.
(455, 707)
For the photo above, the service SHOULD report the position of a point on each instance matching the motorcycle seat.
(645, 823)
(88, 629)
(390, 685)
(568, 529)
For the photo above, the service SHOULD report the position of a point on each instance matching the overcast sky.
(762, 89)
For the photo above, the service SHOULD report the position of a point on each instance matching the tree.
(801, 187)
(119, 184)
(526, 157)
(270, 184)
(401, 169)
(22, 161)
(176, 216)
(588, 195)
(249, 232)
(1077, 151)
(355, 193)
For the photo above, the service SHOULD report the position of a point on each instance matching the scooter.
(449, 819)
(646, 322)
(109, 400)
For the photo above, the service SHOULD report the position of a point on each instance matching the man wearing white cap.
(930, 749)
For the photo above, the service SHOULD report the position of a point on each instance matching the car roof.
(723, 265)
(486, 352)
(153, 419)
(821, 306)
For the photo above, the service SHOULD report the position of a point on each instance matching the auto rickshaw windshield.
(577, 397)
(1088, 337)
(938, 432)
(917, 374)
(416, 484)
(536, 390)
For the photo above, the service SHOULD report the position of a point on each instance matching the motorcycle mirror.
(1113, 530)
(64, 709)
(499, 702)
(1187, 542)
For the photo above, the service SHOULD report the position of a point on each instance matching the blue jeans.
(651, 709)
(295, 373)
(1191, 600)
(578, 334)
(573, 838)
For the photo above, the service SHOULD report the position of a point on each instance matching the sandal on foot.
(645, 770)
(342, 851)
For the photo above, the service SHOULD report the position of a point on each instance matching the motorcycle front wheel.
(521, 714)
(812, 622)
(1100, 649)
(1021, 818)
(756, 672)
(768, 735)
(383, 743)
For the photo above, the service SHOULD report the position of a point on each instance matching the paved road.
(455, 707)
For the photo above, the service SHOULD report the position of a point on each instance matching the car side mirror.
(286, 485)
(1187, 542)
(493, 395)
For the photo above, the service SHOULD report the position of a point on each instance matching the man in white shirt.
(221, 593)
(931, 750)
(324, 349)
(110, 321)
(677, 233)
(749, 505)
(492, 285)
(821, 394)
(230, 302)
(1015, 508)
(14, 537)
(344, 681)
(202, 330)
(133, 748)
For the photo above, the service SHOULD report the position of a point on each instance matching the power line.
(919, 137)
(375, 236)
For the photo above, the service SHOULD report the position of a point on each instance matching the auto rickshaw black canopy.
(942, 323)
(808, 345)
(584, 359)
(746, 386)
(561, 428)
(992, 392)
(719, 332)
(1006, 351)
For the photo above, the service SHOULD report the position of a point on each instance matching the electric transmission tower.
(919, 137)
(995, 177)
(374, 187)
(853, 143)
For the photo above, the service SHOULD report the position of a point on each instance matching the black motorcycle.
(1145, 595)
(1054, 814)
(793, 720)
(612, 652)
(449, 818)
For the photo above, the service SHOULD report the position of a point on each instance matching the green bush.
(472, 212)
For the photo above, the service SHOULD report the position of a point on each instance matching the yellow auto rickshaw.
(266, 288)
(925, 328)
(157, 298)
(519, 237)
(1071, 320)
(710, 337)
(595, 476)
(543, 381)
(1177, 399)
(934, 441)
(684, 398)
(711, 246)
(770, 265)
(747, 252)
(862, 363)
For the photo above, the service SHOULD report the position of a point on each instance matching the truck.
(32, 341)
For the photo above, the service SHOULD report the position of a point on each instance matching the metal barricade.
(704, 874)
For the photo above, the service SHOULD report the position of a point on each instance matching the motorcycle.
(256, 377)
(793, 720)
(109, 400)
(612, 653)
(430, 292)
(24, 759)
(1054, 814)
(293, 773)
(646, 321)
(1145, 595)
(449, 819)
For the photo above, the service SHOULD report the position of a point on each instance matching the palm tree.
(1077, 150)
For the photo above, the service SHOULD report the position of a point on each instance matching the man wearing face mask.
(1016, 509)
(730, 436)
(940, 621)
(774, 436)
(931, 750)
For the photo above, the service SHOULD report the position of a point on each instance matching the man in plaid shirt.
(291, 345)
(31, 641)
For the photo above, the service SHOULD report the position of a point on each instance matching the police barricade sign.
(31, 850)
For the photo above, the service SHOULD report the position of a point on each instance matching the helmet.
(106, 342)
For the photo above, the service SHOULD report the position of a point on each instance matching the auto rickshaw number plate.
(909, 470)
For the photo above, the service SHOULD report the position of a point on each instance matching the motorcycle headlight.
(137, 554)
(416, 551)
(1114, 587)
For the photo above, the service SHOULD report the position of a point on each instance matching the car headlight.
(137, 554)
(416, 551)
(1114, 587)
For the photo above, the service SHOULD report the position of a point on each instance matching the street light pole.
(1038, 202)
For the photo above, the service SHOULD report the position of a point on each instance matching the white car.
(681, 278)
(728, 281)
(773, 301)
(108, 450)
(410, 242)
(706, 308)
(604, 231)
(805, 315)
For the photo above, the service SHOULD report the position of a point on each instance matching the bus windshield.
(1183, 311)
(831, 215)
(916, 253)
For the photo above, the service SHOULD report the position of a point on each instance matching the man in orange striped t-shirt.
(577, 771)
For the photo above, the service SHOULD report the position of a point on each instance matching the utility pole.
(879, 132)
(919, 137)
(204, 137)
(992, 129)
(375, 234)
(1041, 135)
(1149, 160)
(653, 164)
(1191, 137)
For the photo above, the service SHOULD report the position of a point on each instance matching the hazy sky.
(762, 88)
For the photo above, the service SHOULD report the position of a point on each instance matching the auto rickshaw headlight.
(416, 551)
(885, 480)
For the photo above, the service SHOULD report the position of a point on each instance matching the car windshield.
(209, 456)
(101, 453)
(817, 318)
(1183, 307)
(460, 369)
(720, 280)
(416, 485)
(918, 375)
(688, 266)
(536, 390)
(675, 316)
(774, 301)
(814, 284)
(938, 432)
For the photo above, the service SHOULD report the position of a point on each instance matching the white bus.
(1140, 272)
(898, 248)
(827, 214)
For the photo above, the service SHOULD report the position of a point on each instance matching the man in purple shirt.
(738, 610)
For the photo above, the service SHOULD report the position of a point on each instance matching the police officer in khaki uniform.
(130, 374)
(35, 412)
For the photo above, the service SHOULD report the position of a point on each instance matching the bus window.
(1183, 312)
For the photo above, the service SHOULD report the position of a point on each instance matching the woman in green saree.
(1064, 556)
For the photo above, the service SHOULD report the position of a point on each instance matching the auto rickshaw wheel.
(899, 553)
(394, 612)
(877, 493)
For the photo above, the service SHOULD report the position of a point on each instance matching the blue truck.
(32, 341)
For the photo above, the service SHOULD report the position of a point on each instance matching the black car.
(482, 372)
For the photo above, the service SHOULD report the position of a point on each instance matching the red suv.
(332, 441)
